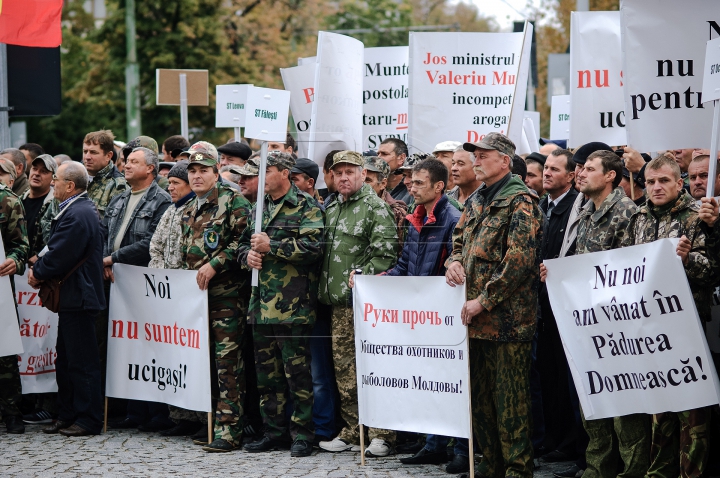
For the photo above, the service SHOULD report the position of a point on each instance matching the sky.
(503, 10)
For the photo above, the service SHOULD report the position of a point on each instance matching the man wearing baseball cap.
(282, 308)
(360, 234)
(496, 252)
(444, 152)
(304, 174)
(209, 150)
(211, 225)
(376, 175)
(249, 179)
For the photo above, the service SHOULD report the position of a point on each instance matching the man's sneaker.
(573, 472)
(337, 445)
(38, 417)
(378, 448)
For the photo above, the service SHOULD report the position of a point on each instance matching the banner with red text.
(465, 85)
(300, 81)
(38, 332)
(385, 95)
(411, 351)
(158, 338)
(597, 98)
(631, 331)
(663, 72)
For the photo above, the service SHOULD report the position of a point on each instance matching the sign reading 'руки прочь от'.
(631, 331)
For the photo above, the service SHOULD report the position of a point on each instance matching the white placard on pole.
(560, 117)
(385, 95)
(300, 82)
(337, 109)
(411, 352)
(230, 105)
(10, 343)
(597, 99)
(463, 85)
(631, 331)
(711, 92)
(266, 114)
(158, 338)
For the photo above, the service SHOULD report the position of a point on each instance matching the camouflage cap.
(141, 142)
(48, 161)
(496, 141)
(280, 159)
(201, 158)
(375, 164)
(201, 147)
(413, 159)
(348, 157)
(251, 168)
(7, 166)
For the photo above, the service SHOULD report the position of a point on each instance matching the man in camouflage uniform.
(679, 439)
(14, 237)
(359, 234)
(282, 307)
(107, 181)
(211, 228)
(496, 250)
(603, 225)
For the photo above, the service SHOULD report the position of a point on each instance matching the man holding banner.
(211, 227)
(496, 248)
(677, 438)
(282, 307)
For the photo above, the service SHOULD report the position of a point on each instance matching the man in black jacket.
(75, 237)
(130, 221)
(561, 428)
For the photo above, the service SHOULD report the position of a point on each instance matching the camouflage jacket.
(210, 234)
(165, 249)
(677, 219)
(499, 247)
(106, 184)
(48, 211)
(400, 210)
(607, 228)
(13, 228)
(360, 233)
(288, 281)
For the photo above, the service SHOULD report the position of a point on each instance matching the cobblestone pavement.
(132, 453)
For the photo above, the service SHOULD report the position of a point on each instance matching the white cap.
(447, 146)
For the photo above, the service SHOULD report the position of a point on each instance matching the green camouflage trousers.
(500, 385)
(10, 388)
(228, 316)
(282, 363)
(679, 444)
(343, 349)
(177, 414)
(612, 439)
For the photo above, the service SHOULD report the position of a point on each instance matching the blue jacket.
(135, 246)
(427, 245)
(75, 232)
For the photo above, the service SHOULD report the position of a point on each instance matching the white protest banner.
(266, 114)
(38, 331)
(535, 117)
(597, 100)
(309, 60)
(10, 343)
(631, 331)
(411, 355)
(711, 71)
(337, 109)
(300, 81)
(560, 117)
(385, 95)
(465, 85)
(230, 105)
(661, 70)
(158, 338)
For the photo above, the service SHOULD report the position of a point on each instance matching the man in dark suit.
(75, 237)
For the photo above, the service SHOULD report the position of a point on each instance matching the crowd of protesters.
(283, 353)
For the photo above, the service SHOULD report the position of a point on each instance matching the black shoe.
(571, 472)
(557, 456)
(124, 424)
(425, 457)
(301, 448)
(153, 426)
(185, 428)
(220, 446)
(56, 427)
(265, 444)
(39, 417)
(459, 464)
(15, 425)
(201, 437)
(409, 448)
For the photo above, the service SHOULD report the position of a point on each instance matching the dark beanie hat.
(582, 153)
(179, 171)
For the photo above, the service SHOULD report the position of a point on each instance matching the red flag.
(31, 22)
